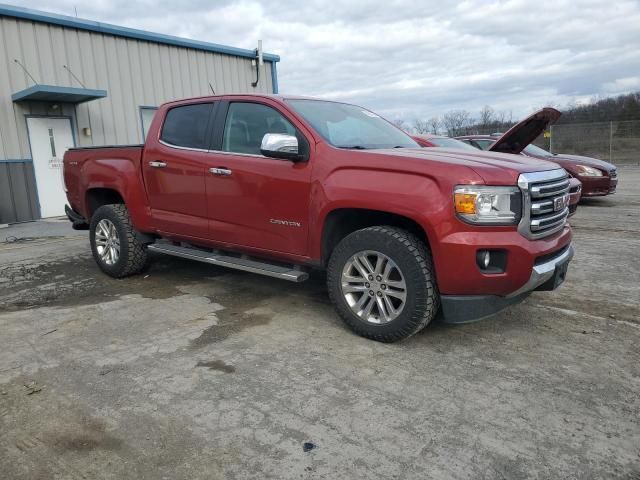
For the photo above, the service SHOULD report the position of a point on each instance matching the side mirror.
(278, 145)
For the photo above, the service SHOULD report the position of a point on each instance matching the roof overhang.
(52, 93)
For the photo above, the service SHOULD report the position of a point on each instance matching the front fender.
(420, 198)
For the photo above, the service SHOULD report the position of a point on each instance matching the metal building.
(68, 82)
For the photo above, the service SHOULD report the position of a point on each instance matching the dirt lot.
(194, 372)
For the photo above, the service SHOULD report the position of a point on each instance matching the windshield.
(531, 149)
(348, 126)
(451, 143)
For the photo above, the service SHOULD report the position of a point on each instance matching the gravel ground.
(194, 372)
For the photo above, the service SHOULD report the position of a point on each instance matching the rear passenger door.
(253, 200)
(174, 169)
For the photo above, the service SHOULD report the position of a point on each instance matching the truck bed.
(81, 164)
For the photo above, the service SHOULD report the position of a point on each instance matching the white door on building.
(49, 138)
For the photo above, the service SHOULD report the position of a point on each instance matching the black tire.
(133, 253)
(414, 261)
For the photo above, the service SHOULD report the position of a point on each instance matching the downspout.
(274, 77)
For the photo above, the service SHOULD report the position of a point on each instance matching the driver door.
(253, 200)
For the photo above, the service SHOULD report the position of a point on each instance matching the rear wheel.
(381, 282)
(114, 244)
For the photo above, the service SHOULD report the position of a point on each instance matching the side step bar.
(222, 260)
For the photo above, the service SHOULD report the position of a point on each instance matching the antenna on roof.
(211, 87)
(75, 9)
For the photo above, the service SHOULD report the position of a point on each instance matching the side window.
(484, 144)
(247, 123)
(186, 126)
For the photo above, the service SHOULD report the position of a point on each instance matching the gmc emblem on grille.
(559, 203)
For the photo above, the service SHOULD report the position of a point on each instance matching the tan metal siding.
(134, 72)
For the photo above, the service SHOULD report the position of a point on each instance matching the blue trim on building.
(274, 77)
(17, 160)
(107, 28)
(53, 93)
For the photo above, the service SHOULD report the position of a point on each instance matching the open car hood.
(525, 132)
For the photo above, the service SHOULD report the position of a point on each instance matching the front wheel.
(382, 284)
(114, 244)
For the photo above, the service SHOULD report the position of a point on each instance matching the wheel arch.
(341, 222)
(97, 197)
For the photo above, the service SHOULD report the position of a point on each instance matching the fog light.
(483, 258)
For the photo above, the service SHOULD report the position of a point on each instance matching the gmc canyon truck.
(279, 185)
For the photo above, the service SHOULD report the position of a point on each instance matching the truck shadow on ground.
(78, 281)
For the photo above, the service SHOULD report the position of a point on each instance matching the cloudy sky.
(409, 59)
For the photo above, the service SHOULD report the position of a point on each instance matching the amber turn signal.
(465, 202)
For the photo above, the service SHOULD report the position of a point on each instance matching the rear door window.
(188, 126)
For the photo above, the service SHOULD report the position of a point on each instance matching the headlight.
(588, 171)
(481, 204)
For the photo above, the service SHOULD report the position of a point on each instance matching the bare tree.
(402, 125)
(434, 125)
(487, 118)
(455, 122)
(420, 126)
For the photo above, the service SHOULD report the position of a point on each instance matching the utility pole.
(611, 142)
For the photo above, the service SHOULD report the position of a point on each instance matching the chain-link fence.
(615, 142)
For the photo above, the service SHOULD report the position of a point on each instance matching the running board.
(222, 260)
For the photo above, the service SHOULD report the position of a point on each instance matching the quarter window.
(247, 123)
(186, 126)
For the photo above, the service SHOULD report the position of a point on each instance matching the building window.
(146, 116)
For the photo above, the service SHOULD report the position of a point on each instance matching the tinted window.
(186, 126)
(247, 124)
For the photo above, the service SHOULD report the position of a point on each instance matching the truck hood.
(494, 168)
(526, 131)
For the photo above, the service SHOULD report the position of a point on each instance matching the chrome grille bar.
(549, 221)
(549, 189)
(545, 210)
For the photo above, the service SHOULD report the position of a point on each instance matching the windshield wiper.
(353, 147)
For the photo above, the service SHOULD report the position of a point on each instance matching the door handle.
(224, 172)
(157, 164)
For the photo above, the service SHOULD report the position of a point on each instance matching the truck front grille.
(546, 203)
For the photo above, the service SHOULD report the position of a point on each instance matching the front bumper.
(598, 186)
(546, 275)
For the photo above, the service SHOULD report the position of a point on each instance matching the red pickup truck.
(279, 185)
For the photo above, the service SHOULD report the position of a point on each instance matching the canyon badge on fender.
(287, 223)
